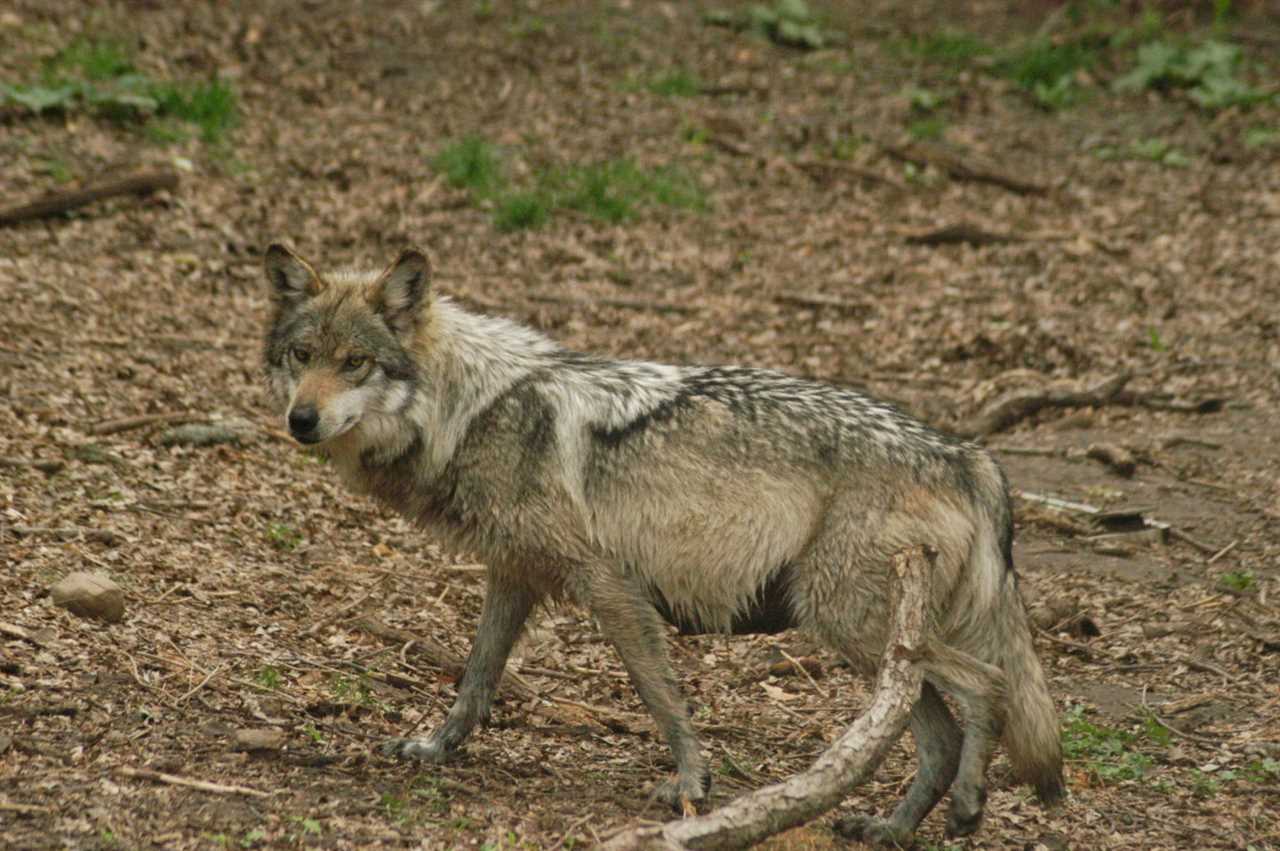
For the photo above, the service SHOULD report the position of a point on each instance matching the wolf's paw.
(423, 750)
(873, 831)
(684, 793)
(965, 815)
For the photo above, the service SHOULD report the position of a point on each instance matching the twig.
(1018, 406)
(1207, 667)
(60, 202)
(202, 785)
(820, 300)
(1098, 514)
(960, 169)
(49, 466)
(198, 685)
(68, 533)
(962, 232)
(1193, 737)
(569, 831)
(24, 809)
(14, 631)
(1220, 553)
(143, 420)
(796, 662)
(816, 168)
(623, 303)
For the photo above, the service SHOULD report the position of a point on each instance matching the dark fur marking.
(768, 613)
(612, 438)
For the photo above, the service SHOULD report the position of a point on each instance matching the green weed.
(1238, 581)
(1151, 150)
(1262, 137)
(790, 23)
(1207, 72)
(100, 77)
(527, 210)
(678, 83)
(1047, 69)
(284, 537)
(470, 163)
(268, 677)
(946, 47)
(1108, 754)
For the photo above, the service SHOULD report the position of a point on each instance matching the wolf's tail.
(1031, 732)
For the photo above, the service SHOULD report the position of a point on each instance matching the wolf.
(711, 498)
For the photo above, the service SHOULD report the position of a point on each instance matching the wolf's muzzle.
(302, 424)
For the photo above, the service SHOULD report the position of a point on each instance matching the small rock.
(258, 739)
(89, 595)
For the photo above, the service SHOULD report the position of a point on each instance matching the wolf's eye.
(300, 354)
(354, 362)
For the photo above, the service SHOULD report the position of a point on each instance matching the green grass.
(1047, 69)
(470, 163)
(676, 83)
(283, 536)
(100, 78)
(946, 47)
(1108, 754)
(611, 191)
(1239, 581)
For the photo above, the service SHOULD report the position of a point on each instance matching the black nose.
(302, 422)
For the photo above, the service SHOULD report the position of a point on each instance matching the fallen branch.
(144, 420)
(822, 301)
(12, 630)
(848, 762)
(921, 154)
(1016, 407)
(1131, 519)
(815, 169)
(60, 202)
(202, 785)
(962, 232)
(622, 303)
(23, 809)
(49, 466)
(68, 533)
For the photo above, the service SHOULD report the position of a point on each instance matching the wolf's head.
(337, 345)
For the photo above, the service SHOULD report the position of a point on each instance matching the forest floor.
(905, 208)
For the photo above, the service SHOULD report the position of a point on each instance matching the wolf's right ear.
(292, 279)
(399, 291)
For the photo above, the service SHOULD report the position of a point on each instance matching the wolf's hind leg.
(938, 750)
(506, 608)
(632, 625)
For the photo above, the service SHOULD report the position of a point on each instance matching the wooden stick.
(23, 809)
(848, 762)
(144, 420)
(962, 169)
(962, 232)
(60, 202)
(202, 785)
(1016, 407)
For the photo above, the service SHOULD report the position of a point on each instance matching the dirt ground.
(259, 595)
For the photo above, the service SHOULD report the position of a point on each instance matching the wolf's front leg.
(506, 607)
(629, 621)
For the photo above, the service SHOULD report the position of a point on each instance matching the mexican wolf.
(717, 499)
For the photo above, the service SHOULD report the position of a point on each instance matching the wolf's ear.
(399, 292)
(292, 279)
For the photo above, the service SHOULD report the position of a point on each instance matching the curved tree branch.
(847, 763)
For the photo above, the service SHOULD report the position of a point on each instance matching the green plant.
(268, 677)
(1047, 69)
(927, 128)
(1262, 137)
(470, 163)
(1108, 754)
(100, 77)
(309, 730)
(283, 536)
(1152, 150)
(790, 23)
(522, 211)
(1207, 72)
(946, 47)
(1238, 581)
(253, 837)
(677, 82)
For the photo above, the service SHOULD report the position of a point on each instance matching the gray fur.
(717, 498)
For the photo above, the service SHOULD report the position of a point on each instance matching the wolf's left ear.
(399, 292)
(292, 279)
